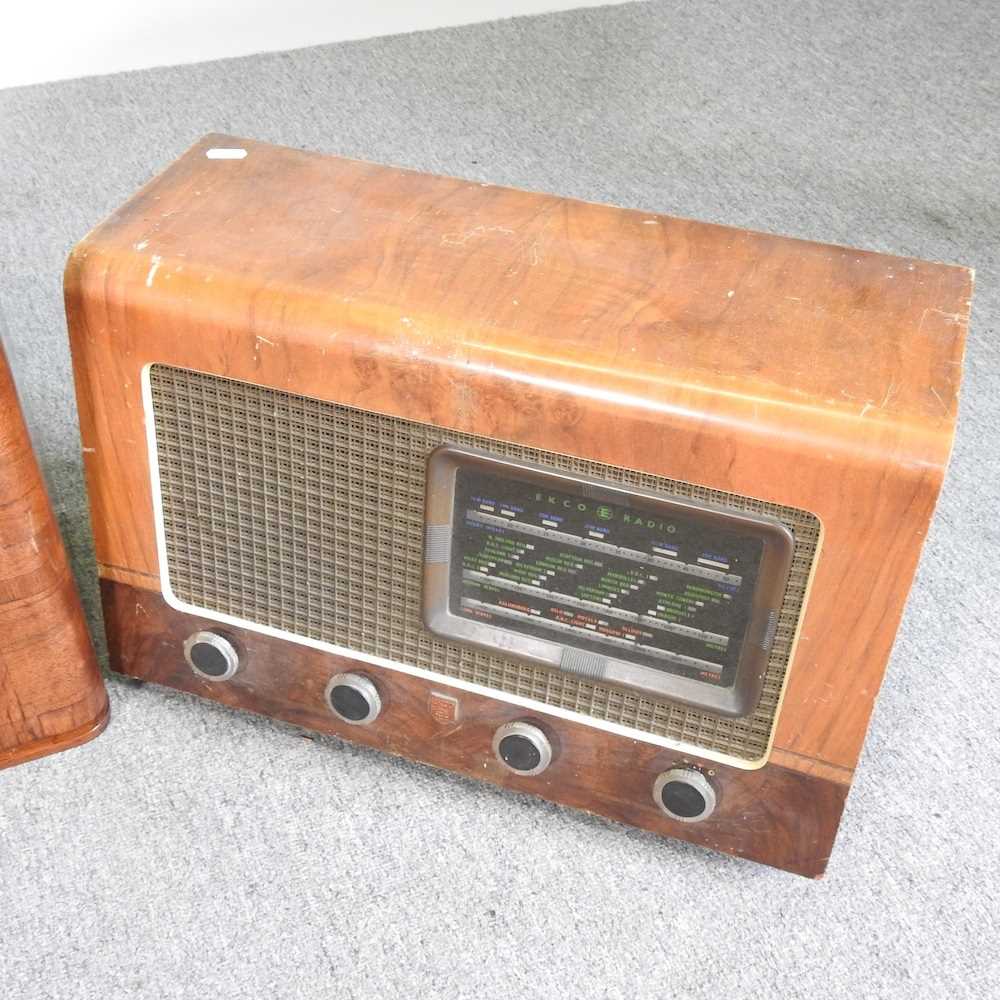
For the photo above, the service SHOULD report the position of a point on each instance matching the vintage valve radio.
(611, 507)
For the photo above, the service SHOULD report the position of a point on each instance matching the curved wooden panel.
(798, 373)
(795, 373)
(51, 693)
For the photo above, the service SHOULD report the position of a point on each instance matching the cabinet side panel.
(51, 692)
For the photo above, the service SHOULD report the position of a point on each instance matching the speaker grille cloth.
(307, 516)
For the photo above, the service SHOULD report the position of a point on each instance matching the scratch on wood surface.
(888, 395)
(460, 239)
(153, 268)
(950, 317)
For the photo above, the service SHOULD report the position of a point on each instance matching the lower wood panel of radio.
(777, 815)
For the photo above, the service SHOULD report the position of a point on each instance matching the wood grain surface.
(776, 815)
(799, 373)
(51, 692)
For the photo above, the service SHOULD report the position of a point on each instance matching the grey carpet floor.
(195, 852)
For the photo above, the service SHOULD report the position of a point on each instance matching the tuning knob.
(211, 656)
(684, 794)
(353, 698)
(522, 748)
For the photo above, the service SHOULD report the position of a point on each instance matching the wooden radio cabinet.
(614, 508)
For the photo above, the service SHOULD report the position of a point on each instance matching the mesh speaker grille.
(307, 516)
